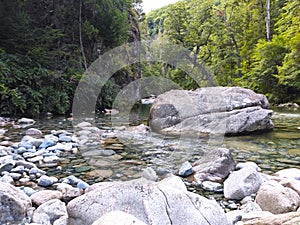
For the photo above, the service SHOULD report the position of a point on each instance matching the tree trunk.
(80, 37)
(268, 21)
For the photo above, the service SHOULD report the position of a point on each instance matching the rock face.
(275, 198)
(242, 183)
(14, 204)
(214, 110)
(151, 203)
(214, 166)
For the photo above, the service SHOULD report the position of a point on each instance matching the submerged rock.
(214, 110)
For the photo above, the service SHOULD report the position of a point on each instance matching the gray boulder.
(14, 204)
(53, 212)
(150, 202)
(214, 110)
(242, 183)
(275, 198)
(214, 166)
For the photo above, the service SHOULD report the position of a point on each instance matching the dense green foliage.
(47, 45)
(231, 38)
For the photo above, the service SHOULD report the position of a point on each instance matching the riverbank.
(24, 165)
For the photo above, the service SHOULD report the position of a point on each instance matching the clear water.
(272, 151)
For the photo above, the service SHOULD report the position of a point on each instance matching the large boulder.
(14, 204)
(213, 110)
(242, 183)
(149, 202)
(277, 199)
(214, 166)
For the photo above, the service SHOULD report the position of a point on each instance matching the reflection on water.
(272, 151)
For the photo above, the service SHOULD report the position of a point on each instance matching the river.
(272, 151)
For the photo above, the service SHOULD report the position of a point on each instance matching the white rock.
(26, 120)
(53, 212)
(289, 173)
(118, 218)
(41, 197)
(242, 183)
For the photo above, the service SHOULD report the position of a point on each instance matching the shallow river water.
(272, 151)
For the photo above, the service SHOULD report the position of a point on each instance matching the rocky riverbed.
(31, 193)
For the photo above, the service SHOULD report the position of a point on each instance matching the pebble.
(33, 132)
(72, 180)
(35, 159)
(47, 143)
(212, 186)
(82, 185)
(51, 159)
(28, 191)
(46, 181)
(64, 138)
(26, 120)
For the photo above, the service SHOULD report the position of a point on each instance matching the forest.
(45, 47)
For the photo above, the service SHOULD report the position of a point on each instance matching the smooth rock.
(51, 159)
(173, 182)
(234, 216)
(7, 179)
(242, 183)
(35, 159)
(250, 206)
(214, 165)
(41, 197)
(33, 132)
(26, 120)
(28, 191)
(82, 185)
(46, 181)
(149, 174)
(53, 212)
(291, 183)
(289, 173)
(247, 164)
(64, 138)
(14, 204)
(68, 192)
(7, 166)
(151, 203)
(212, 186)
(291, 218)
(83, 124)
(277, 199)
(186, 169)
(118, 218)
(72, 180)
(47, 143)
